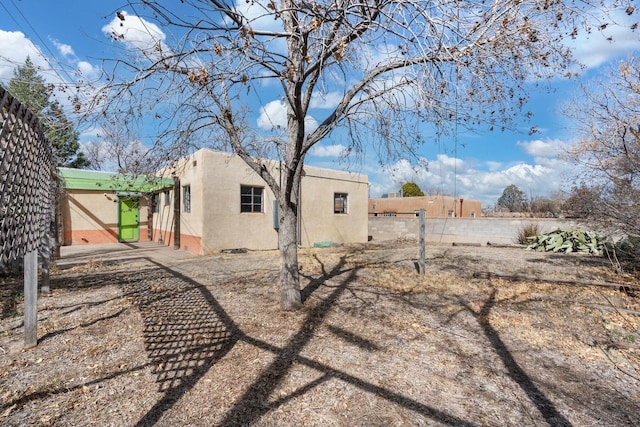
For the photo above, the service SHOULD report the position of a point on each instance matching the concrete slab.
(71, 256)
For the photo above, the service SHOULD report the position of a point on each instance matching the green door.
(128, 229)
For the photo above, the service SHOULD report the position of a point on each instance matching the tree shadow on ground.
(255, 402)
(185, 332)
(11, 290)
(542, 403)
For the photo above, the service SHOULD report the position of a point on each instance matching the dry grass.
(205, 343)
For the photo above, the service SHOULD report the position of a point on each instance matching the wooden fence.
(28, 188)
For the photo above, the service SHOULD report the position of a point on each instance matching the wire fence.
(27, 181)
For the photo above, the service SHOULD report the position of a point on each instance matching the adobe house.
(207, 202)
(223, 204)
(104, 207)
(434, 206)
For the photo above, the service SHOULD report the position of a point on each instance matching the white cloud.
(260, 17)
(325, 100)
(595, 49)
(539, 148)
(273, 116)
(493, 166)
(88, 70)
(14, 49)
(450, 162)
(380, 53)
(91, 134)
(64, 49)
(335, 150)
(137, 33)
(310, 124)
(457, 177)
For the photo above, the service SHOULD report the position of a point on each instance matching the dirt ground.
(487, 337)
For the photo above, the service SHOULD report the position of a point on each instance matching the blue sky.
(69, 37)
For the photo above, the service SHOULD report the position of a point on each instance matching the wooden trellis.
(27, 195)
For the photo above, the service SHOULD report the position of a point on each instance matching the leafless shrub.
(527, 230)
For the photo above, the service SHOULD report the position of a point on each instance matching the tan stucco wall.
(482, 231)
(216, 220)
(226, 227)
(319, 222)
(92, 217)
(190, 173)
(434, 206)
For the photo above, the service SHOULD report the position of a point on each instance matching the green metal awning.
(82, 179)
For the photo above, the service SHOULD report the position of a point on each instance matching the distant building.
(391, 195)
(434, 206)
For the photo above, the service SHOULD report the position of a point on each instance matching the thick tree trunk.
(289, 277)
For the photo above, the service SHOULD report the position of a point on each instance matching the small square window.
(186, 198)
(339, 203)
(251, 199)
(167, 198)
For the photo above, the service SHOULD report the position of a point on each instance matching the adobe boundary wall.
(459, 230)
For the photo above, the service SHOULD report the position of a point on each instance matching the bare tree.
(513, 199)
(607, 114)
(544, 207)
(396, 70)
(118, 150)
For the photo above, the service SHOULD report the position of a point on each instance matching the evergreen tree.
(33, 92)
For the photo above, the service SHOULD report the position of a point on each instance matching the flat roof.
(83, 179)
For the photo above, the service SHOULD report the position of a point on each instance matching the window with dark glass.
(340, 203)
(155, 201)
(186, 198)
(167, 198)
(251, 199)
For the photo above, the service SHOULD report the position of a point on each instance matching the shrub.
(527, 231)
(624, 254)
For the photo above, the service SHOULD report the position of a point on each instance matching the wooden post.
(45, 287)
(46, 255)
(421, 261)
(59, 224)
(31, 299)
(176, 213)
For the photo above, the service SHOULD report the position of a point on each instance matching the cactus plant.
(567, 241)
